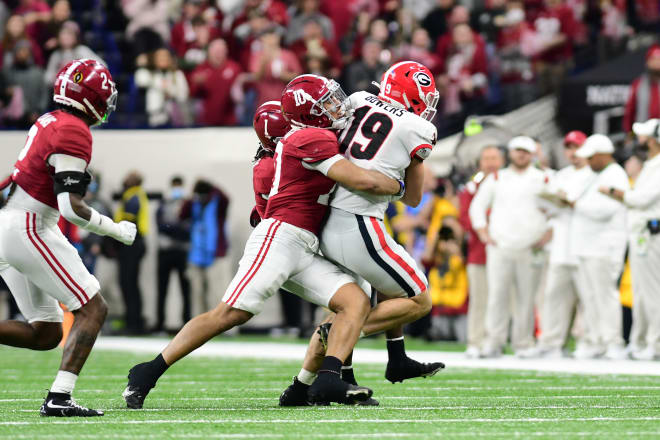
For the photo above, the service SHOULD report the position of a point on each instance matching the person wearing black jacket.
(173, 245)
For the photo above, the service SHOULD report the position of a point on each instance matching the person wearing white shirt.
(598, 234)
(516, 226)
(561, 296)
(643, 203)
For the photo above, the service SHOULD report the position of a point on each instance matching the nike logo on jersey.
(69, 181)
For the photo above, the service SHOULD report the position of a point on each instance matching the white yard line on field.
(107, 421)
(435, 435)
(285, 351)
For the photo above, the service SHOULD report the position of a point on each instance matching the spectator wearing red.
(36, 14)
(183, 36)
(15, 32)
(273, 10)
(61, 13)
(459, 15)
(316, 53)
(272, 66)
(196, 52)
(516, 43)
(419, 49)
(306, 10)
(490, 160)
(614, 31)
(556, 29)
(465, 72)
(212, 81)
(343, 14)
(644, 98)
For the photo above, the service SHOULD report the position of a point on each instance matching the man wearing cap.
(643, 203)
(516, 226)
(598, 236)
(644, 98)
(561, 293)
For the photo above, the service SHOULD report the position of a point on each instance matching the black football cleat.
(140, 383)
(328, 387)
(369, 402)
(63, 405)
(295, 394)
(324, 331)
(409, 369)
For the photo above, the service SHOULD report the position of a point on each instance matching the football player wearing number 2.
(285, 244)
(37, 262)
(390, 133)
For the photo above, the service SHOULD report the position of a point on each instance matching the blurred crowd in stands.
(211, 62)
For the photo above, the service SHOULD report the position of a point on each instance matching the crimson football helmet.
(411, 85)
(315, 101)
(269, 124)
(86, 85)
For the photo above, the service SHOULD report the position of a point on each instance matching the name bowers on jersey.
(396, 111)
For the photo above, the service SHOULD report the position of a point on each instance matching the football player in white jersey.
(391, 133)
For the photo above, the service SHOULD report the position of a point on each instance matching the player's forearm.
(376, 183)
(414, 183)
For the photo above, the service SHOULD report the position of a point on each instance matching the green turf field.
(210, 398)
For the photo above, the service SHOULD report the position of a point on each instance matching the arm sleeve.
(65, 162)
(642, 197)
(420, 139)
(481, 202)
(323, 166)
(600, 207)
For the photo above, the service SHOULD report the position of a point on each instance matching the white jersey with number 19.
(384, 138)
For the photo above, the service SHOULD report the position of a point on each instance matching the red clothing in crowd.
(218, 107)
(182, 37)
(445, 43)
(273, 10)
(300, 48)
(270, 86)
(35, 29)
(555, 21)
(476, 250)
(630, 113)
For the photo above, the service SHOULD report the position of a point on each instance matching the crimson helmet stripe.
(67, 75)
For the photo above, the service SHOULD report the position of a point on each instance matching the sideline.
(296, 352)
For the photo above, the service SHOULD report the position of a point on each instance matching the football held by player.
(285, 243)
(37, 262)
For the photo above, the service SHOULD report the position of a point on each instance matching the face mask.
(177, 193)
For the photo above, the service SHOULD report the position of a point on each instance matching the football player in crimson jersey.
(37, 262)
(390, 133)
(283, 247)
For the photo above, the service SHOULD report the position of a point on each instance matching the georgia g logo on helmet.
(422, 79)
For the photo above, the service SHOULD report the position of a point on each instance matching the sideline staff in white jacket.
(561, 294)
(643, 202)
(599, 237)
(516, 226)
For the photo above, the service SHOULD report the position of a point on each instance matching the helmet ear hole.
(416, 102)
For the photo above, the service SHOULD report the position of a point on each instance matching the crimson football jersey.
(300, 195)
(54, 133)
(263, 173)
